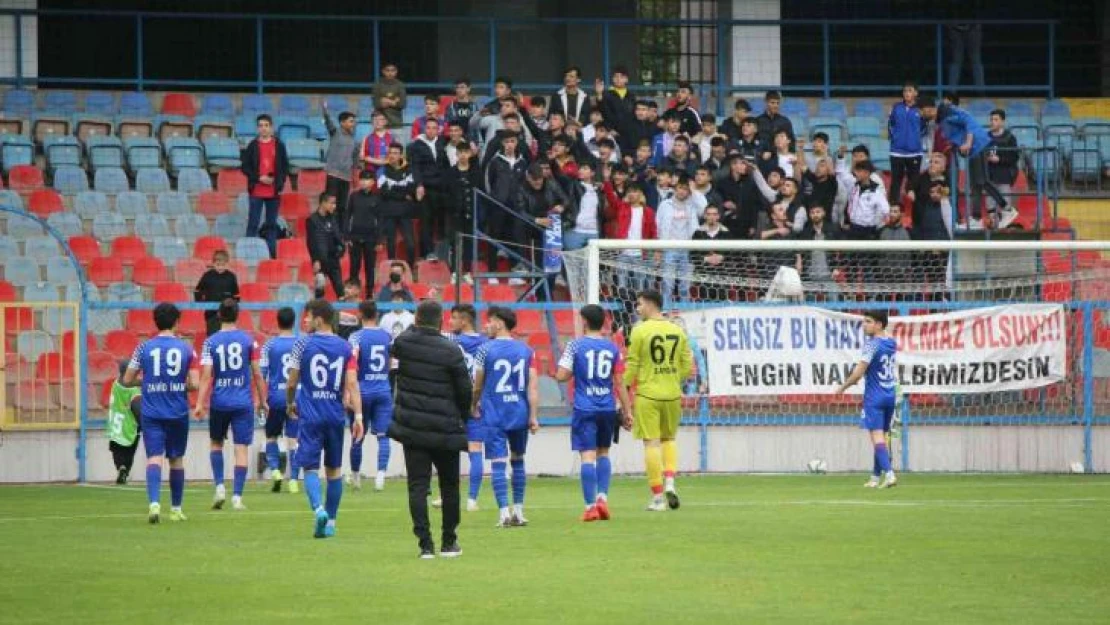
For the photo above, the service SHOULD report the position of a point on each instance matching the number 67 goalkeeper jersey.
(659, 360)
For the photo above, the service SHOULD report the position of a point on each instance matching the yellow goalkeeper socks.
(670, 458)
(653, 459)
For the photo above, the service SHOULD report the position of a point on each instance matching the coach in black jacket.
(432, 402)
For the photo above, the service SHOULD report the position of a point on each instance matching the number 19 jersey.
(507, 364)
(595, 363)
(230, 354)
(165, 362)
(323, 360)
(275, 362)
(470, 343)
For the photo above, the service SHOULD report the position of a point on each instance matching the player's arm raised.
(533, 399)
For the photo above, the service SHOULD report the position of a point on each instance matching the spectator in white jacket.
(677, 220)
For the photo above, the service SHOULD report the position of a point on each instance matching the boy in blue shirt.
(907, 131)
(371, 343)
(506, 399)
(274, 363)
(469, 340)
(320, 399)
(877, 364)
(229, 365)
(595, 363)
(167, 365)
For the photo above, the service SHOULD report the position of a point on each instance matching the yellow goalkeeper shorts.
(655, 419)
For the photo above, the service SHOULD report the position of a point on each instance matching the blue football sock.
(383, 453)
(875, 470)
(154, 482)
(520, 479)
(273, 456)
(177, 487)
(500, 484)
(217, 458)
(604, 474)
(335, 493)
(356, 456)
(476, 467)
(589, 482)
(240, 480)
(312, 488)
(883, 456)
(294, 466)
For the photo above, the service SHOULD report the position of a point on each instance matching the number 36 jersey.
(507, 364)
(659, 360)
(323, 361)
(597, 366)
(882, 372)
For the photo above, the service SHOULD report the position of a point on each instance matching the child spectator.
(1002, 166)
(375, 147)
(463, 107)
(906, 129)
(431, 111)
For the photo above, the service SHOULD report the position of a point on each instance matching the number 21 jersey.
(507, 364)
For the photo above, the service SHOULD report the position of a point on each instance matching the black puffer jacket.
(433, 391)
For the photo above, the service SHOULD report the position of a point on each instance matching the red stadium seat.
(25, 178)
(53, 367)
(33, 395)
(104, 271)
(294, 206)
(313, 182)
(292, 252)
(102, 366)
(179, 104)
(192, 323)
(141, 322)
(169, 292)
(205, 246)
(85, 248)
(528, 322)
(254, 292)
(267, 322)
(498, 293)
(152, 272)
(16, 319)
(69, 340)
(564, 322)
(465, 294)
(189, 270)
(121, 343)
(128, 249)
(45, 202)
(273, 272)
(212, 204)
(246, 322)
(433, 272)
(231, 182)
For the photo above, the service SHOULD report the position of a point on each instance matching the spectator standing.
(584, 218)
(689, 120)
(617, 105)
(399, 318)
(216, 285)
(771, 122)
(266, 166)
(503, 177)
(681, 160)
(462, 108)
(701, 141)
(741, 199)
(464, 180)
(375, 147)
(395, 287)
(664, 141)
(820, 150)
(502, 88)
(433, 398)
(966, 39)
(340, 159)
(325, 245)
(640, 130)
(431, 111)
(398, 189)
(430, 172)
(731, 126)
(906, 129)
(389, 96)
(712, 263)
(677, 220)
(536, 200)
(819, 267)
(1002, 165)
(363, 210)
(571, 101)
(751, 145)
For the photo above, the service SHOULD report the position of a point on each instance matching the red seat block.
(25, 178)
(212, 204)
(313, 182)
(292, 252)
(54, 367)
(254, 292)
(273, 272)
(170, 292)
(84, 247)
(121, 343)
(179, 104)
(152, 272)
(141, 322)
(294, 206)
(205, 246)
(231, 181)
(104, 271)
(45, 202)
(128, 249)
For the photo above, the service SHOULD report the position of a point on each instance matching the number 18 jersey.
(507, 364)
(595, 363)
(323, 360)
(230, 354)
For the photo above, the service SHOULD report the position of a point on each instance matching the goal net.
(989, 333)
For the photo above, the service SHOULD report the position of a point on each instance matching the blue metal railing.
(719, 91)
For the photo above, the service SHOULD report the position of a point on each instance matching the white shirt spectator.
(586, 222)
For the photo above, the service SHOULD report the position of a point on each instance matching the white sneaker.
(237, 503)
(504, 519)
(437, 503)
(871, 483)
(379, 481)
(657, 505)
(356, 481)
(518, 519)
(974, 224)
(347, 479)
(154, 514)
(219, 498)
(469, 279)
(471, 505)
(889, 480)
(494, 281)
(1006, 217)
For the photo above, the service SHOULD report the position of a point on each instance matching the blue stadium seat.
(19, 103)
(16, 150)
(1086, 165)
(242, 205)
(293, 293)
(182, 152)
(832, 108)
(304, 154)
(40, 292)
(172, 203)
(1028, 136)
(8, 245)
(22, 228)
(193, 180)
(105, 151)
(70, 179)
(1047, 163)
(317, 129)
(791, 107)
(110, 180)
(222, 153)
(132, 204)
(981, 109)
(41, 248)
(190, 226)
(11, 199)
(170, 250)
(89, 204)
(245, 129)
(251, 250)
(60, 102)
(255, 104)
(830, 125)
(61, 151)
(880, 155)
(1055, 108)
(870, 108)
(217, 104)
(100, 321)
(365, 107)
(108, 226)
(338, 104)
(362, 130)
(290, 128)
(1091, 126)
(32, 344)
(1023, 108)
(864, 126)
(296, 105)
(20, 270)
(230, 226)
(67, 224)
(152, 180)
(60, 270)
(100, 104)
(152, 225)
(143, 152)
(123, 292)
(135, 104)
(1059, 132)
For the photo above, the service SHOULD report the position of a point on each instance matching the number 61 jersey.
(323, 360)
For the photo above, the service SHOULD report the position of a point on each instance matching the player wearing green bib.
(123, 426)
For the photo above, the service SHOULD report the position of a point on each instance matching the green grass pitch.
(742, 549)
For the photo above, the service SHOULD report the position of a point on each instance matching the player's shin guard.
(500, 484)
(604, 474)
(273, 455)
(882, 455)
(335, 493)
(312, 488)
(217, 460)
(294, 466)
(670, 458)
(383, 452)
(154, 482)
(356, 456)
(177, 487)
(476, 467)
(520, 480)
(589, 482)
(239, 481)
(653, 460)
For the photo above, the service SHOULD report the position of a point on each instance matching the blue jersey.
(882, 372)
(507, 364)
(230, 353)
(470, 343)
(372, 345)
(595, 363)
(323, 361)
(165, 362)
(275, 361)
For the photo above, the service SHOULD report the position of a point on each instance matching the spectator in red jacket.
(635, 222)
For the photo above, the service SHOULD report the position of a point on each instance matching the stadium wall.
(50, 456)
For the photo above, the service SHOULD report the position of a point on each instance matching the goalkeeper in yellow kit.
(659, 360)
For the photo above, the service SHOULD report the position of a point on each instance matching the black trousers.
(980, 183)
(902, 168)
(341, 189)
(331, 271)
(433, 220)
(389, 231)
(363, 256)
(418, 464)
(123, 456)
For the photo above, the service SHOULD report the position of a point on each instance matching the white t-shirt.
(635, 229)
(397, 322)
(586, 222)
